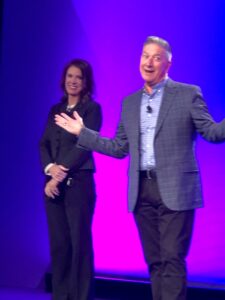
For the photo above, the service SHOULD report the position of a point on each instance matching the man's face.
(154, 64)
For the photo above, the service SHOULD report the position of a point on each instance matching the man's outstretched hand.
(71, 125)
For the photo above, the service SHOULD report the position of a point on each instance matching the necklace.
(70, 107)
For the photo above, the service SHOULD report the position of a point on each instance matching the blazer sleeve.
(204, 123)
(116, 147)
(77, 156)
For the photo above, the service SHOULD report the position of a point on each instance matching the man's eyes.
(145, 56)
(155, 58)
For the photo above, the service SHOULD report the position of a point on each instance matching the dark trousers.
(69, 222)
(165, 236)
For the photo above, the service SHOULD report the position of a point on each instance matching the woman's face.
(73, 81)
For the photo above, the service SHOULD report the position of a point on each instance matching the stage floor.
(113, 290)
(27, 294)
(18, 294)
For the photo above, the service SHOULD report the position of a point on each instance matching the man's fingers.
(59, 120)
(71, 125)
(65, 116)
(77, 116)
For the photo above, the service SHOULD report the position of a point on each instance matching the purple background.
(38, 38)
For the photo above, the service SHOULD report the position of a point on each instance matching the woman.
(70, 188)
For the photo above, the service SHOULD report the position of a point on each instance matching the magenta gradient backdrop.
(39, 37)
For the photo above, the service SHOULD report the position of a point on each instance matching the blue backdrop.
(38, 38)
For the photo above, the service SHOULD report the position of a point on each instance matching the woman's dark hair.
(87, 74)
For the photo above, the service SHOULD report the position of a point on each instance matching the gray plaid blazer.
(182, 115)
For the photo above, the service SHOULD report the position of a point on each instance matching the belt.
(148, 174)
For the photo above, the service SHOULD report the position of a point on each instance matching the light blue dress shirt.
(148, 120)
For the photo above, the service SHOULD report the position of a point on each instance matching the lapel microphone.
(149, 109)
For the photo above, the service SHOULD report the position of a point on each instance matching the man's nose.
(149, 61)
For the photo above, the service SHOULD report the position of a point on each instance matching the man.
(158, 129)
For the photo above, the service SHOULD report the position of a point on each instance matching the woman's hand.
(51, 188)
(71, 125)
(58, 172)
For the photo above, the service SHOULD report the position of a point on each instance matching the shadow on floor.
(118, 289)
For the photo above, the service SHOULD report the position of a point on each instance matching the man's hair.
(162, 43)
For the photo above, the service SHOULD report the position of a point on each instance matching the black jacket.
(58, 146)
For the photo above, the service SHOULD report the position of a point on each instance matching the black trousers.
(165, 236)
(69, 219)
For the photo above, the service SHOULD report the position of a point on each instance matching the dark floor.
(21, 294)
(115, 290)
(131, 290)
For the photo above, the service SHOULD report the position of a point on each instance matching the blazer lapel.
(135, 121)
(167, 101)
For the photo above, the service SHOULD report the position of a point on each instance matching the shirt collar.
(157, 86)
